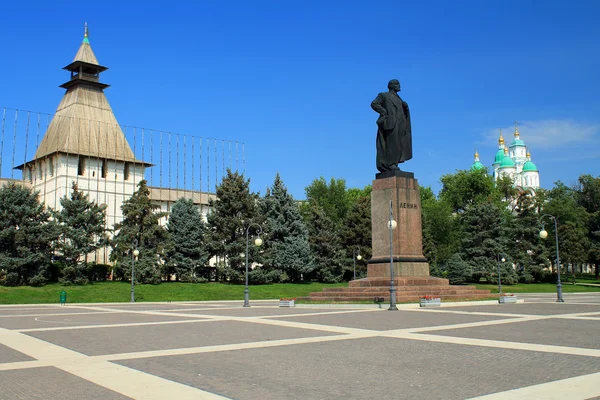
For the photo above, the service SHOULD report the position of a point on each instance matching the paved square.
(371, 368)
(94, 318)
(158, 337)
(50, 384)
(383, 320)
(554, 332)
(220, 350)
(8, 355)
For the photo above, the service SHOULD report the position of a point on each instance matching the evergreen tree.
(82, 231)
(233, 211)
(141, 223)
(187, 254)
(287, 249)
(26, 235)
(325, 245)
(528, 254)
(458, 270)
(483, 239)
(357, 236)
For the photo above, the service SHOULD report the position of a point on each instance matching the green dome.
(507, 162)
(476, 166)
(499, 156)
(517, 142)
(529, 167)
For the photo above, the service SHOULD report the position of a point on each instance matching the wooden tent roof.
(84, 122)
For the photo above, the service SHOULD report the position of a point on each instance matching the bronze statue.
(394, 134)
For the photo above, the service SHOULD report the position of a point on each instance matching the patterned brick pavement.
(538, 349)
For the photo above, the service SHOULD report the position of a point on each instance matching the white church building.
(513, 161)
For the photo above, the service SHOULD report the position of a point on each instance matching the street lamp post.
(392, 225)
(356, 257)
(499, 279)
(134, 254)
(257, 242)
(544, 235)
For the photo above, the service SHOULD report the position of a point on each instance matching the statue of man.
(394, 134)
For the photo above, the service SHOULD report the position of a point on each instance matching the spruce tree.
(527, 252)
(26, 236)
(233, 211)
(187, 255)
(287, 248)
(141, 223)
(484, 239)
(326, 246)
(82, 231)
(458, 270)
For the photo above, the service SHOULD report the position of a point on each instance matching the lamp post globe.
(543, 234)
(359, 257)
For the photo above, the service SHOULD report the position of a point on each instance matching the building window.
(80, 166)
(126, 171)
(51, 167)
(104, 169)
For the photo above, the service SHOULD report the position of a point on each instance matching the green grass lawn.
(172, 291)
(538, 288)
(120, 291)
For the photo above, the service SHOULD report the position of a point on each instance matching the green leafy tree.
(441, 231)
(233, 211)
(572, 222)
(587, 192)
(287, 248)
(140, 222)
(326, 246)
(26, 235)
(466, 188)
(82, 231)
(187, 256)
(357, 235)
(332, 198)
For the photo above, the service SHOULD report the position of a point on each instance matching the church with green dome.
(513, 161)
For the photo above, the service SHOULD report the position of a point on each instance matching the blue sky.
(293, 80)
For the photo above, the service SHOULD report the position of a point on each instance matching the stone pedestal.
(407, 243)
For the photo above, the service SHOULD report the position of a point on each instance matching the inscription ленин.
(408, 205)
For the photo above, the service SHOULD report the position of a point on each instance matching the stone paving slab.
(50, 383)
(531, 309)
(368, 368)
(43, 311)
(52, 321)
(8, 355)
(556, 332)
(158, 337)
(261, 311)
(387, 320)
(145, 307)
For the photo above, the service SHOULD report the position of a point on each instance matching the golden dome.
(501, 140)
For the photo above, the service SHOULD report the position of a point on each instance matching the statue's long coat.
(394, 133)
